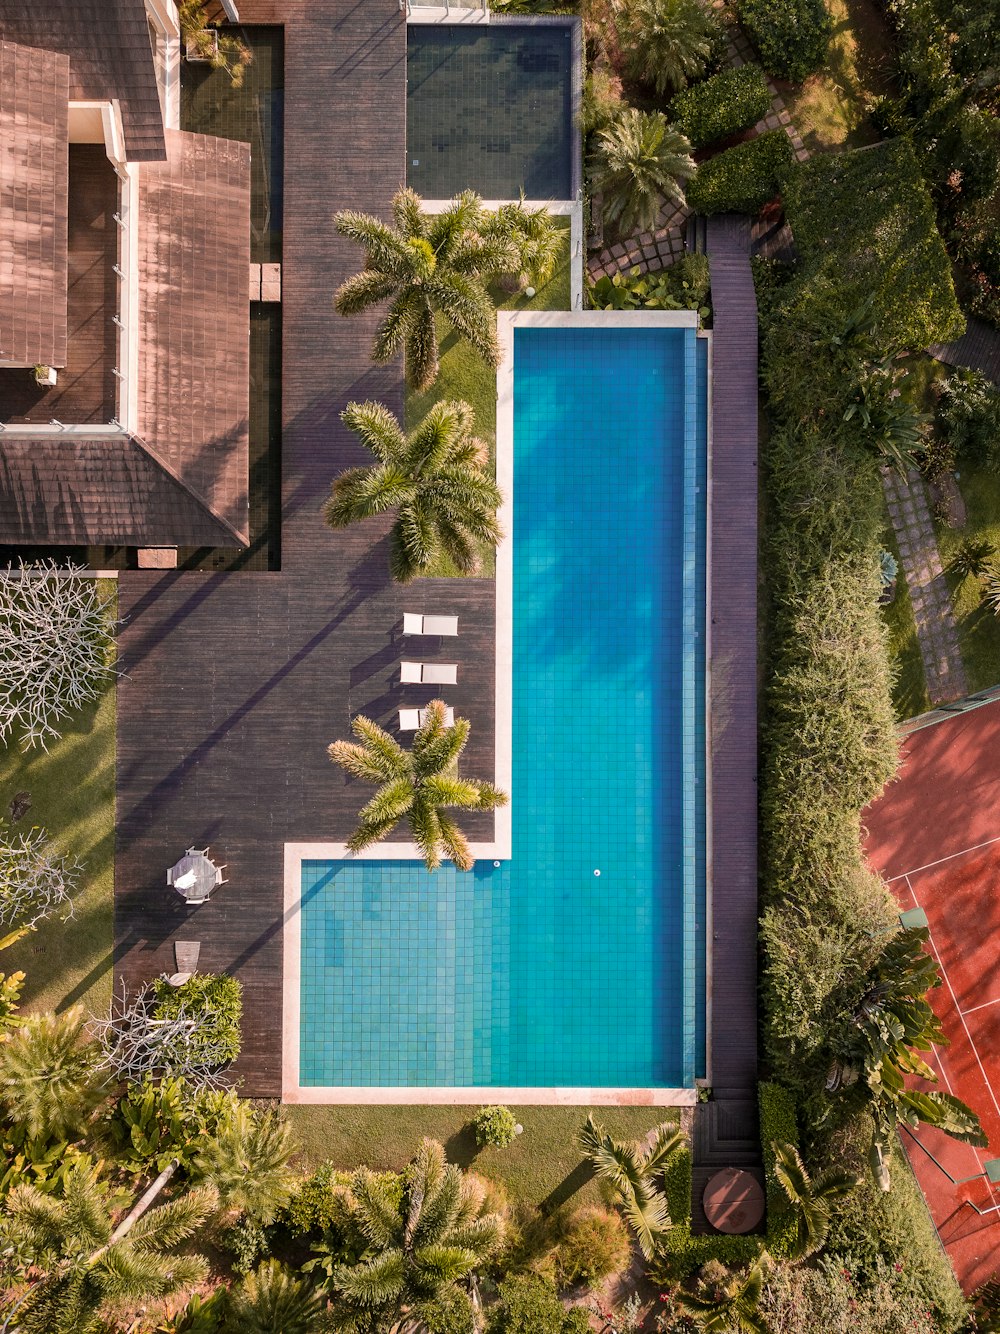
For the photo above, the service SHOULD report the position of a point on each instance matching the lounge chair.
(428, 673)
(411, 719)
(415, 624)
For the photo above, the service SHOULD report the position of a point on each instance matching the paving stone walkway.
(937, 632)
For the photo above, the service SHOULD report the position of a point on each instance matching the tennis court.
(935, 835)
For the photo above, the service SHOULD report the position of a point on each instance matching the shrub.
(494, 1125)
(791, 36)
(682, 286)
(247, 1242)
(593, 1243)
(742, 179)
(313, 1207)
(666, 43)
(723, 105)
(826, 1297)
(213, 994)
(969, 416)
(527, 1306)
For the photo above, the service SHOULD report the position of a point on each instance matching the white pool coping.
(294, 1092)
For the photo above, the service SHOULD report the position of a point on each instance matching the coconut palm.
(273, 1301)
(639, 162)
(810, 1198)
(246, 1160)
(86, 1262)
(423, 264)
(667, 42)
(49, 1081)
(437, 479)
(418, 785)
(632, 1168)
(415, 1248)
(729, 1309)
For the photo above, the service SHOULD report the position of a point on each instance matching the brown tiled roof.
(194, 317)
(67, 491)
(33, 192)
(110, 54)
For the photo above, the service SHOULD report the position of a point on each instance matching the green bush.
(742, 179)
(791, 36)
(527, 1306)
(154, 1122)
(247, 1242)
(682, 286)
(864, 221)
(313, 1207)
(969, 417)
(593, 1243)
(494, 1125)
(214, 995)
(723, 105)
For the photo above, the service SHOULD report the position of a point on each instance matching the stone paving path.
(937, 632)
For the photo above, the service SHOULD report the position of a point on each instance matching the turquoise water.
(539, 972)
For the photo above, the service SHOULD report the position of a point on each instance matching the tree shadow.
(461, 1148)
(576, 1180)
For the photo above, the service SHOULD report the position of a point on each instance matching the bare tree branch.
(33, 880)
(135, 1043)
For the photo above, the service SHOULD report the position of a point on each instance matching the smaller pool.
(491, 108)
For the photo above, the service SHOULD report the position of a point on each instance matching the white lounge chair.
(428, 673)
(415, 624)
(411, 719)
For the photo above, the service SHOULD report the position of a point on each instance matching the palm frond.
(363, 290)
(377, 429)
(375, 1208)
(175, 1221)
(667, 1140)
(454, 843)
(372, 1283)
(649, 1219)
(361, 493)
(383, 248)
(408, 215)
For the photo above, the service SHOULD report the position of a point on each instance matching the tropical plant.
(86, 1262)
(156, 1121)
(535, 241)
(418, 785)
(154, 1035)
(215, 1002)
(414, 1244)
(730, 1307)
(494, 1125)
(49, 1080)
(593, 1243)
(991, 587)
(424, 265)
(682, 286)
(272, 1300)
(638, 164)
(222, 49)
(667, 43)
(528, 1306)
(810, 1198)
(437, 478)
(246, 1160)
(891, 426)
(632, 1168)
(971, 559)
(877, 1049)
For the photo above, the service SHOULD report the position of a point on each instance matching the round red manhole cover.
(733, 1201)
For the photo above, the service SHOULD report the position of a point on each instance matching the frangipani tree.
(419, 786)
(34, 880)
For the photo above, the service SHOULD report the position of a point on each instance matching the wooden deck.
(978, 348)
(236, 683)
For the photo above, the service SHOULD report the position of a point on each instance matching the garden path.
(937, 632)
(654, 250)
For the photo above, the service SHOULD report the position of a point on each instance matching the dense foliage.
(494, 1125)
(639, 163)
(667, 43)
(791, 36)
(528, 1306)
(744, 178)
(216, 996)
(682, 286)
(730, 101)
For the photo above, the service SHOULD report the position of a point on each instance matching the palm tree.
(638, 163)
(810, 1199)
(437, 479)
(419, 784)
(87, 1262)
(414, 1251)
(732, 1309)
(667, 42)
(273, 1301)
(631, 1168)
(49, 1080)
(972, 559)
(246, 1160)
(536, 241)
(424, 264)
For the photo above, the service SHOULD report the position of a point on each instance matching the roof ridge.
(242, 539)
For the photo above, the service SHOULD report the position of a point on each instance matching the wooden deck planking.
(978, 348)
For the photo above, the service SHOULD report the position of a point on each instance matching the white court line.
(985, 1005)
(951, 857)
(947, 979)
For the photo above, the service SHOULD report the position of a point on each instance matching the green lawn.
(978, 626)
(72, 790)
(829, 109)
(542, 1165)
(909, 691)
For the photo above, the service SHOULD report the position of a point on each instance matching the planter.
(46, 376)
(202, 47)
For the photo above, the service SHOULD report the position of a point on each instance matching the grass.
(909, 691)
(978, 627)
(542, 1166)
(829, 109)
(72, 790)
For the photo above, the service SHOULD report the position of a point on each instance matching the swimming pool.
(578, 962)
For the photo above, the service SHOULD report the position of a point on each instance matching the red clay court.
(935, 836)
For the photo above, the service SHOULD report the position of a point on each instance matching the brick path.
(937, 632)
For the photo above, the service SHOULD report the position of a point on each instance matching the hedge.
(791, 36)
(865, 220)
(682, 1252)
(723, 105)
(742, 179)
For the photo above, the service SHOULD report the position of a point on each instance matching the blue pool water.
(539, 972)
